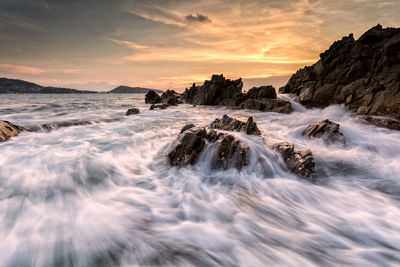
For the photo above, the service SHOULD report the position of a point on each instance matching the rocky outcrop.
(8, 129)
(326, 130)
(152, 98)
(171, 98)
(230, 124)
(382, 122)
(132, 111)
(225, 92)
(159, 106)
(301, 162)
(230, 151)
(363, 74)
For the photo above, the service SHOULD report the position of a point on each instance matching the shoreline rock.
(132, 111)
(152, 98)
(8, 130)
(230, 124)
(326, 130)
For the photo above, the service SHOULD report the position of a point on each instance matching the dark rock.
(159, 106)
(187, 146)
(186, 127)
(271, 105)
(301, 162)
(171, 98)
(363, 74)
(382, 122)
(224, 92)
(230, 124)
(152, 98)
(231, 152)
(8, 129)
(132, 111)
(325, 129)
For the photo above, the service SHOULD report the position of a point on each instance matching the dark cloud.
(197, 18)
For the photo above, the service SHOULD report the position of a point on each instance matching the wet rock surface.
(363, 74)
(230, 124)
(152, 98)
(300, 162)
(159, 106)
(226, 92)
(382, 122)
(326, 130)
(8, 129)
(132, 111)
(171, 98)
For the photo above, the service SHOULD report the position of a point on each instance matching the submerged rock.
(325, 129)
(229, 124)
(152, 98)
(159, 106)
(225, 92)
(301, 162)
(8, 129)
(363, 74)
(132, 111)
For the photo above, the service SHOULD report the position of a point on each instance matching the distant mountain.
(13, 86)
(132, 90)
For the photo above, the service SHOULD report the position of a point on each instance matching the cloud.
(19, 21)
(21, 69)
(197, 18)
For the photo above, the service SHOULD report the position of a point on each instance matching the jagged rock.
(230, 124)
(232, 153)
(217, 91)
(224, 92)
(132, 111)
(187, 146)
(382, 122)
(152, 98)
(159, 106)
(171, 98)
(271, 105)
(262, 92)
(325, 129)
(8, 129)
(301, 162)
(362, 74)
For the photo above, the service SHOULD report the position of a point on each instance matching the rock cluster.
(7, 130)
(171, 98)
(226, 92)
(231, 152)
(363, 74)
(326, 130)
(230, 124)
(132, 111)
(152, 98)
(300, 162)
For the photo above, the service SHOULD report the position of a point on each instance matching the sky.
(100, 44)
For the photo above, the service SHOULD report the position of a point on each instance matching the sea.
(101, 192)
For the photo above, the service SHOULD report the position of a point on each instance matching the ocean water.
(102, 194)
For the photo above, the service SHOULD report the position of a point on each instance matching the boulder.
(326, 130)
(262, 92)
(132, 111)
(159, 106)
(363, 74)
(152, 98)
(8, 129)
(171, 98)
(186, 127)
(301, 162)
(230, 124)
(382, 122)
(267, 105)
(232, 153)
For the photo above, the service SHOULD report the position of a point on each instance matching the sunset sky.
(99, 44)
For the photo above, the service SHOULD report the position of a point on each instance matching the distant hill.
(132, 90)
(13, 86)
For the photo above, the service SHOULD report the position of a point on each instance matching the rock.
(160, 106)
(325, 129)
(186, 127)
(7, 130)
(231, 153)
(171, 98)
(301, 162)
(271, 105)
(363, 74)
(132, 111)
(262, 92)
(187, 146)
(152, 98)
(382, 122)
(229, 124)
